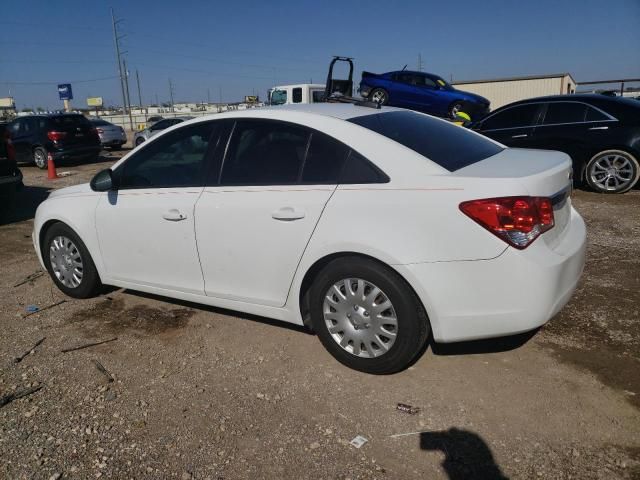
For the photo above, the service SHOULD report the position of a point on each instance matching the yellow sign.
(94, 101)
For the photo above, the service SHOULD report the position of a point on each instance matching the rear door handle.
(174, 215)
(522, 135)
(287, 214)
(599, 128)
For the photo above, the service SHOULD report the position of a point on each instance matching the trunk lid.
(541, 173)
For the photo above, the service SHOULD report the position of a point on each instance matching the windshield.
(442, 82)
(278, 97)
(450, 146)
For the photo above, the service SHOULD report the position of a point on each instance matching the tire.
(139, 140)
(40, 157)
(350, 327)
(379, 95)
(60, 241)
(612, 171)
(454, 108)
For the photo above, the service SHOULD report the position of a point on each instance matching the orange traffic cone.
(51, 168)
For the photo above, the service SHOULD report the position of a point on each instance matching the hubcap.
(66, 262)
(360, 318)
(379, 96)
(612, 172)
(455, 109)
(39, 158)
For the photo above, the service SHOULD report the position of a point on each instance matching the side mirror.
(103, 181)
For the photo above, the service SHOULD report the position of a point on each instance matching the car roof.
(584, 97)
(343, 111)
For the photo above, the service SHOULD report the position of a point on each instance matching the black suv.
(10, 175)
(65, 136)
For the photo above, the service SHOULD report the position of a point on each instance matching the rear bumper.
(76, 152)
(515, 292)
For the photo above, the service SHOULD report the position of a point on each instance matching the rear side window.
(325, 159)
(450, 146)
(564, 112)
(264, 153)
(594, 115)
(514, 117)
(358, 169)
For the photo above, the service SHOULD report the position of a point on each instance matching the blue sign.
(64, 91)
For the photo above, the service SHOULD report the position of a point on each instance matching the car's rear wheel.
(139, 140)
(612, 171)
(379, 95)
(40, 157)
(367, 316)
(69, 263)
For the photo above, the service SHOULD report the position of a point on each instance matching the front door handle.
(522, 135)
(287, 214)
(599, 128)
(174, 215)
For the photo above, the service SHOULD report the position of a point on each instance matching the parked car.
(65, 136)
(147, 133)
(377, 227)
(599, 132)
(10, 174)
(294, 94)
(424, 92)
(111, 136)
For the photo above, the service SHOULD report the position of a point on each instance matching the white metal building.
(500, 91)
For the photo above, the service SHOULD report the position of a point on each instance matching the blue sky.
(243, 47)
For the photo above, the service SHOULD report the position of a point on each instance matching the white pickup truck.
(300, 93)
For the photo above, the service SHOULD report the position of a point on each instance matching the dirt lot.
(203, 393)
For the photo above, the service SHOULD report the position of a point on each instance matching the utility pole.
(419, 62)
(171, 94)
(139, 93)
(157, 103)
(126, 82)
(116, 41)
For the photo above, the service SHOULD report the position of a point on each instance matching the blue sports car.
(424, 92)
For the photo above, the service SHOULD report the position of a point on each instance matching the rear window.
(69, 121)
(450, 146)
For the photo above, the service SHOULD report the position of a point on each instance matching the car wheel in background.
(367, 316)
(139, 140)
(379, 95)
(69, 263)
(40, 157)
(612, 171)
(455, 108)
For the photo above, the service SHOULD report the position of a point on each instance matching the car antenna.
(404, 68)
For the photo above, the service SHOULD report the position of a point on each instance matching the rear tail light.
(55, 136)
(99, 130)
(94, 130)
(516, 220)
(11, 150)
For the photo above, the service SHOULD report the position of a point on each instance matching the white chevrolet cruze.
(375, 227)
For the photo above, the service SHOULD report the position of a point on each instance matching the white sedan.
(374, 227)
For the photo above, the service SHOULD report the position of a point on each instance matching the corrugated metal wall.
(503, 92)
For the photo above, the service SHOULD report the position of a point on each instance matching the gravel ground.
(198, 392)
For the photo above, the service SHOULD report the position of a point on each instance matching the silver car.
(149, 132)
(111, 136)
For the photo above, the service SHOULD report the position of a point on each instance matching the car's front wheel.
(367, 316)
(139, 140)
(455, 108)
(69, 263)
(379, 95)
(612, 171)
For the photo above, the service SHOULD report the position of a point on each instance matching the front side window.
(263, 152)
(161, 125)
(296, 95)
(318, 96)
(514, 117)
(278, 97)
(450, 146)
(564, 112)
(177, 159)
